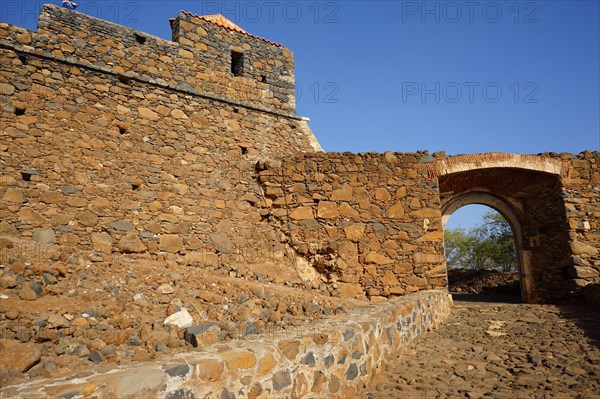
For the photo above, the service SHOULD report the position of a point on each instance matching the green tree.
(488, 245)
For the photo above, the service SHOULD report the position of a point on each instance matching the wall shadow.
(486, 298)
(585, 317)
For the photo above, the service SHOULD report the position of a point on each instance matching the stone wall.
(198, 60)
(581, 195)
(328, 360)
(370, 223)
(95, 162)
(114, 143)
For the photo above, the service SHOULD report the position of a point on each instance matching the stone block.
(14, 195)
(347, 290)
(301, 213)
(374, 257)
(239, 360)
(289, 349)
(170, 243)
(581, 248)
(147, 113)
(327, 210)
(343, 194)
(132, 381)
(266, 364)
(420, 257)
(131, 243)
(281, 380)
(17, 356)
(583, 272)
(389, 279)
(181, 319)
(102, 242)
(210, 369)
(202, 258)
(396, 211)
(203, 335)
(122, 225)
(347, 210)
(354, 231)
(29, 215)
(45, 236)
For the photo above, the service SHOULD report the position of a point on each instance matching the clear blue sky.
(459, 76)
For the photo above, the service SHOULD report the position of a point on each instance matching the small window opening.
(122, 129)
(237, 63)
(124, 79)
(23, 59)
(244, 150)
(263, 78)
(236, 110)
(19, 111)
(140, 39)
(26, 174)
(134, 186)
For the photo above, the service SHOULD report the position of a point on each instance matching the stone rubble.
(67, 312)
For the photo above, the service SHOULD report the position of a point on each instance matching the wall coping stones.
(325, 360)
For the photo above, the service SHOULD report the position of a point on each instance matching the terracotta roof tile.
(220, 20)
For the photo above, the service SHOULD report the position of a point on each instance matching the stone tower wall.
(107, 147)
(198, 59)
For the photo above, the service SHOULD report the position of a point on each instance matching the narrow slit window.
(237, 63)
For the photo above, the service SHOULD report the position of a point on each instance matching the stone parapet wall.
(371, 223)
(202, 66)
(328, 360)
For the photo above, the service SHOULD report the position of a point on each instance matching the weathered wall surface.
(581, 195)
(118, 144)
(95, 162)
(197, 60)
(371, 223)
(328, 360)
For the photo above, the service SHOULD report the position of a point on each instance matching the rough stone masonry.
(117, 142)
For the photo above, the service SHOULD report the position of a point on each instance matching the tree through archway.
(481, 259)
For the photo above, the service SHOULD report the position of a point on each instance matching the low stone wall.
(327, 360)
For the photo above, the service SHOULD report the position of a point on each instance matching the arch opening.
(511, 216)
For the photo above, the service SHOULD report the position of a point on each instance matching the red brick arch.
(462, 163)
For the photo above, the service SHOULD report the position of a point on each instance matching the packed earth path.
(499, 350)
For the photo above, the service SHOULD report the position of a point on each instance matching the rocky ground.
(499, 350)
(61, 311)
(468, 281)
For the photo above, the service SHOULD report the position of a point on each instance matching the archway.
(511, 216)
(530, 200)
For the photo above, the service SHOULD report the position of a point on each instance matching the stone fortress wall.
(121, 145)
(118, 142)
